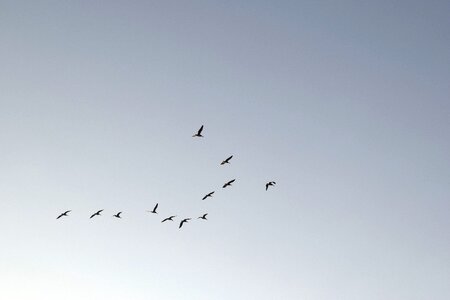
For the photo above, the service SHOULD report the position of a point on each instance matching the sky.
(345, 104)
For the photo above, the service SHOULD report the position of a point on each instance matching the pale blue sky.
(345, 104)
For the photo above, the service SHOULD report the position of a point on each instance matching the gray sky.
(345, 104)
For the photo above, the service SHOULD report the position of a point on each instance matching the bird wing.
(181, 224)
(267, 186)
(231, 181)
(67, 211)
(228, 159)
(118, 214)
(59, 216)
(156, 206)
(200, 130)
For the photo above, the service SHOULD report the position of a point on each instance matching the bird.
(203, 217)
(228, 183)
(183, 221)
(154, 209)
(226, 161)
(199, 132)
(96, 214)
(270, 183)
(208, 195)
(64, 214)
(118, 215)
(168, 219)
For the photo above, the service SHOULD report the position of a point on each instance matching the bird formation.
(170, 218)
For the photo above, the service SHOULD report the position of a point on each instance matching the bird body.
(98, 213)
(226, 161)
(270, 183)
(168, 219)
(64, 214)
(199, 132)
(203, 217)
(183, 221)
(208, 195)
(154, 209)
(228, 183)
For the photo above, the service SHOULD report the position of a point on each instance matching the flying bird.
(270, 183)
(96, 214)
(168, 219)
(226, 161)
(118, 215)
(203, 217)
(64, 214)
(183, 221)
(208, 195)
(199, 132)
(154, 209)
(228, 183)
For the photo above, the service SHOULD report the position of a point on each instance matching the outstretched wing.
(200, 130)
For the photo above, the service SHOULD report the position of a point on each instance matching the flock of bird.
(203, 217)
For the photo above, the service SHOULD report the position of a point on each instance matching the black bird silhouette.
(270, 183)
(208, 195)
(118, 215)
(199, 132)
(227, 161)
(64, 214)
(154, 209)
(203, 217)
(228, 183)
(96, 214)
(183, 221)
(168, 219)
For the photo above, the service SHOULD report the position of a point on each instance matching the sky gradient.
(345, 105)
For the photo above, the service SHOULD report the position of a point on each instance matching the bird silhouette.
(118, 215)
(154, 209)
(228, 183)
(203, 217)
(199, 132)
(64, 214)
(183, 221)
(226, 161)
(208, 195)
(270, 183)
(96, 214)
(168, 219)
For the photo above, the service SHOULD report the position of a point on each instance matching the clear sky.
(345, 104)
